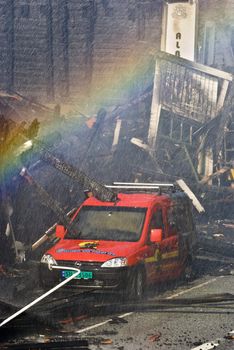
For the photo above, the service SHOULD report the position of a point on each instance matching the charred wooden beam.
(48, 201)
(99, 191)
(50, 233)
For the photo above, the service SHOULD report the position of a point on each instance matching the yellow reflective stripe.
(150, 259)
(157, 257)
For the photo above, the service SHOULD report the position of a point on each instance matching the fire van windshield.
(109, 223)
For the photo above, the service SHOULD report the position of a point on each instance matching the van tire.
(139, 284)
(136, 286)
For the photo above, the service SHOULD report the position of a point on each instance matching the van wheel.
(136, 286)
(139, 285)
(188, 273)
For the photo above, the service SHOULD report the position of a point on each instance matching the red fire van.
(144, 237)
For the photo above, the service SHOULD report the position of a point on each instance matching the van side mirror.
(156, 235)
(60, 231)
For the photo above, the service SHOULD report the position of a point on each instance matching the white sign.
(179, 32)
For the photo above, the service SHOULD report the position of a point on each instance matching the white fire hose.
(77, 271)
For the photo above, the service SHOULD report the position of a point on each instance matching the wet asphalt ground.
(173, 327)
(156, 323)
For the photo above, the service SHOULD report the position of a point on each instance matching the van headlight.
(116, 262)
(49, 260)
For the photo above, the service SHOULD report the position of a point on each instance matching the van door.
(181, 216)
(170, 249)
(162, 260)
(153, 260)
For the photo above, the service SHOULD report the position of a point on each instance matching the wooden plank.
(191, 163)
(209, 163)
(50, 233)
(155, 108)
(222, 95)
(221, 171)
(140, 144)
(116, 134)
(191, 195)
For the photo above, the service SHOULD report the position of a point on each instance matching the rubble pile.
(118, 144)
(217, 237)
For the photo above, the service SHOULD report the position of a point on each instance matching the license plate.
(86, 275)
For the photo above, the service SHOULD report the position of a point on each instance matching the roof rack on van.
(147, 184)
(141, 186)
(128, 187)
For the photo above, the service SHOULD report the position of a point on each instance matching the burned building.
(88, 54)
(68, 51)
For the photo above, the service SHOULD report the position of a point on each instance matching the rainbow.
(133, 69)
(122, 85)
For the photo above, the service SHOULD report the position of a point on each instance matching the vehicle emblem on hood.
(77, 264)
(92, 245)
